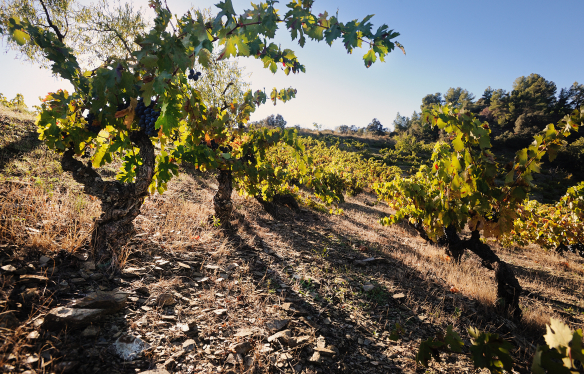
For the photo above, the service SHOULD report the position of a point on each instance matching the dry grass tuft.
(48, 220)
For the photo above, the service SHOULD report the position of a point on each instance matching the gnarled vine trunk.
(508, 287)
(222, 200)
(120, 202)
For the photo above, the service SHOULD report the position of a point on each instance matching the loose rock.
(129, 347)
(90, 332)
(368, 287)
(189, 345)
(165, 299)
(283, 336)
(110, 302)
(71, 317)
(277, 324)
(8, 268)
(241, 348)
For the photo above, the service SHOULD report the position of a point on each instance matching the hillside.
(290, 289)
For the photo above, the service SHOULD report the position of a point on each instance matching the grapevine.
(559, 226)
(461, 187)
(128, 104)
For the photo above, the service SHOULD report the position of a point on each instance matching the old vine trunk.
(508, 287)
(120, 202)
(222, 200)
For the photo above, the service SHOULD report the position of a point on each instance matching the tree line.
(514, 116)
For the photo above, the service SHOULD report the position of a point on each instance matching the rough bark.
(508, 287)
(222, 200)
(452, 240)
(120, 202)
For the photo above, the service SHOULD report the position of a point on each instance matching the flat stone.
(302, 339)
(96, 276)
(241, 348)
(111, 302)
(368, 287)
(71, 317)
(133, 272)
(165, 299)
(44, 260)
(184, 327)
(286, 306)
(245, 332)
(31, 278)
(201, 279)
(128, 347)
(170, 364)
(77, 280)
(232, 359)
(315, 357)
(232, 266)
(192, 322)
(283, 336)
(325, 351)
(189, 345)
(89, 265)
(83, 256)
(90, 332)
(277, 324)
(8, 268)
(155, 371)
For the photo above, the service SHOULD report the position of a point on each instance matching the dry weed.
(48, 220)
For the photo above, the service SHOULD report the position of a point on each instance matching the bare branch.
(53, 26)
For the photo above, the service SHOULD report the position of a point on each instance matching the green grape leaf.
(522, 157)
(369, 58)
(458, 143)
(149, 61)
(490, 351)
(548, 360)
(453, 340)
(100, 154)
(20, 37)
(428, 349)
(510, 177)
(204, 57)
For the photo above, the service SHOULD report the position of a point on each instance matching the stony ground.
(287, 290)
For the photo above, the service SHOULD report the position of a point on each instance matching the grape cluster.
(90, 118)
(147, 116)
(194, 76)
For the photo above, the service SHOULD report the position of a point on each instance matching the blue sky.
(449, 43)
